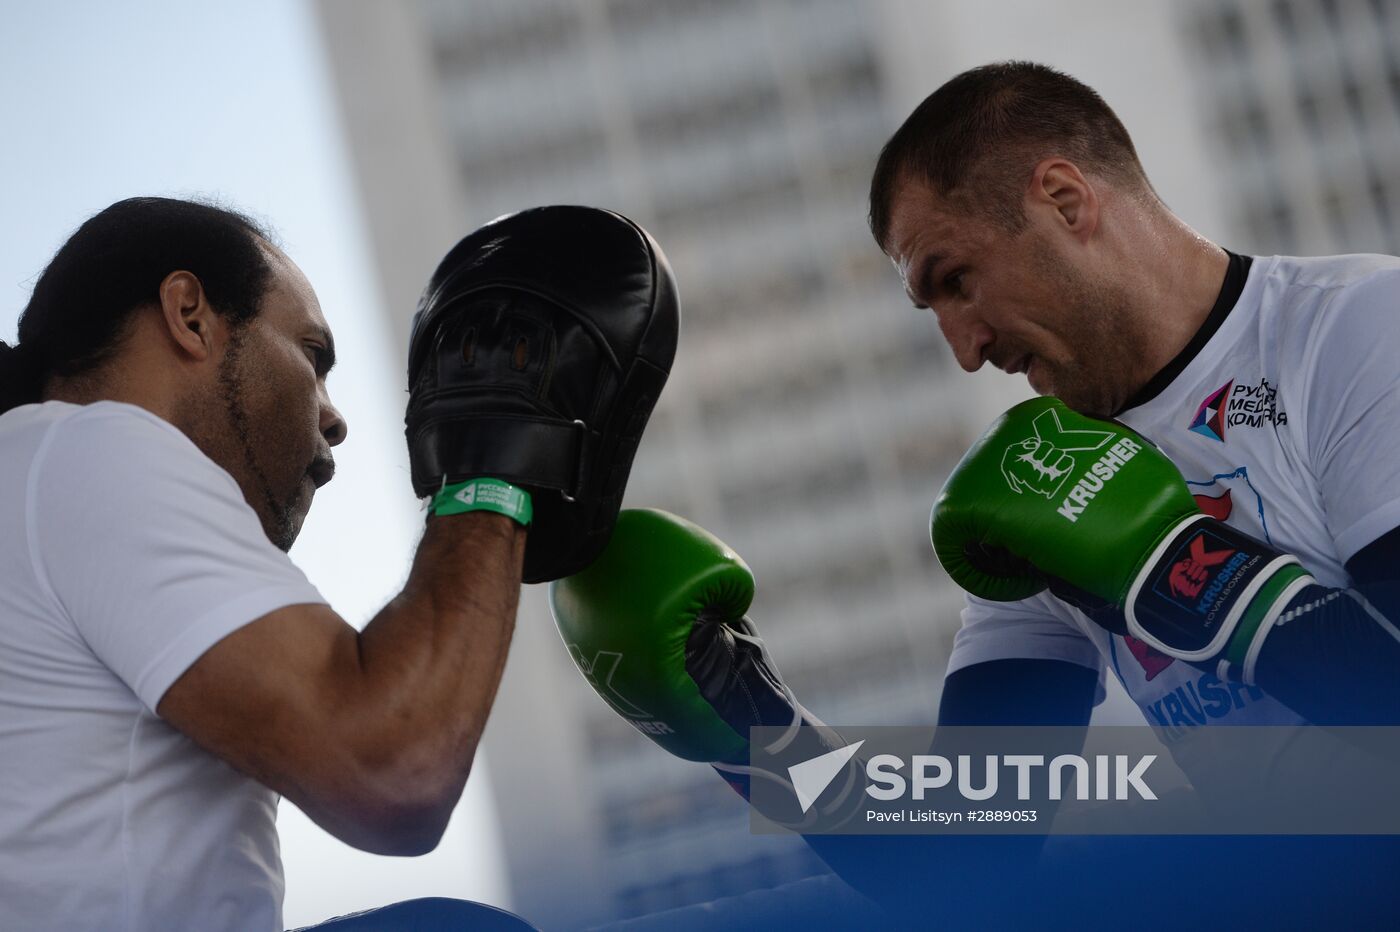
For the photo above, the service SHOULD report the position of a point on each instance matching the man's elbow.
(398, 810)
(397, 826)
(408, 805)
(408, 832)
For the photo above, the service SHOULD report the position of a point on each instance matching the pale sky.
(102, 101)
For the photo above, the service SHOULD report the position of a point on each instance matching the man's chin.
(283, 538)
(284, 529)
(1077, 396)
(1038, 379)
(1045, 380)
(1087, 405)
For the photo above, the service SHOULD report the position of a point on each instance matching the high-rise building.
(1302, 102)
(809, 418)
(811, 415)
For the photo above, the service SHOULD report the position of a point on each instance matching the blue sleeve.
(1334, 654)
(902, 872)
(1019, 692)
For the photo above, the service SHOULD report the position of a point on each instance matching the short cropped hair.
(976, 140)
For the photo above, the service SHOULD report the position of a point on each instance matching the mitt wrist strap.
(484, 494)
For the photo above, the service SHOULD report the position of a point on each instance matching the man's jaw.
(1035, 376)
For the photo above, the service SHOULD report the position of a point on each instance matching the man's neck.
(115, 383)
(1178, 275)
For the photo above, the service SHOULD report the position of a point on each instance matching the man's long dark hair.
(113, 264)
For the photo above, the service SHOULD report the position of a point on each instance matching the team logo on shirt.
(1217, 506)
(1148, 657)
(1210, 416)
(1238, 404)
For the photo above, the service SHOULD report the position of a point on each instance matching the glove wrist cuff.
(484, 494)
(1209, 593)
(1272, 602)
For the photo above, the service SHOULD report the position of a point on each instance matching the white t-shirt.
(125, 553)
(1284, 426)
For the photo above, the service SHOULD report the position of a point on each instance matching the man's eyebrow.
(918, 285)
(328, 354)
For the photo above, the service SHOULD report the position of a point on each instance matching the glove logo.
(1190, 575)
(1041, 463)
(1204, 575)
(599, 672)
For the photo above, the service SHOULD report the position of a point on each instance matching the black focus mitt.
(536, 356)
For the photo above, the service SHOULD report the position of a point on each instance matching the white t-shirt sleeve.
(1025, 630)
(147, 546)
(1353, 411)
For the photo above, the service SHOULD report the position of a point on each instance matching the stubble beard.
(1095, 318)
(279, 518)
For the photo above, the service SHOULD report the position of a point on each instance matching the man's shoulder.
(126, 442)
(110, 425)
(1321, 307)
(1331, 273)
(112, 416)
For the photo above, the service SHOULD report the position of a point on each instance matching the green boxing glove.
(657, 627)
(1049, 497)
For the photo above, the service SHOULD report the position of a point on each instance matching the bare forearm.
(431, 660)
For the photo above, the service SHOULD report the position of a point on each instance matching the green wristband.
(484, 495)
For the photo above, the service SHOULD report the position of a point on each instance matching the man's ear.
(1059, 186)
(188, 317)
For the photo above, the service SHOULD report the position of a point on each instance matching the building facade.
(812, 415)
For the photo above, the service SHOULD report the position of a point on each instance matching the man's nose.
(967, 336)
(333, 426)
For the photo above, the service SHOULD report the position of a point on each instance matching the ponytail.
(21, 376)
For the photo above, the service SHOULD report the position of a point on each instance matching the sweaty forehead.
(916, 210)
(924, 230)
(919, 228)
